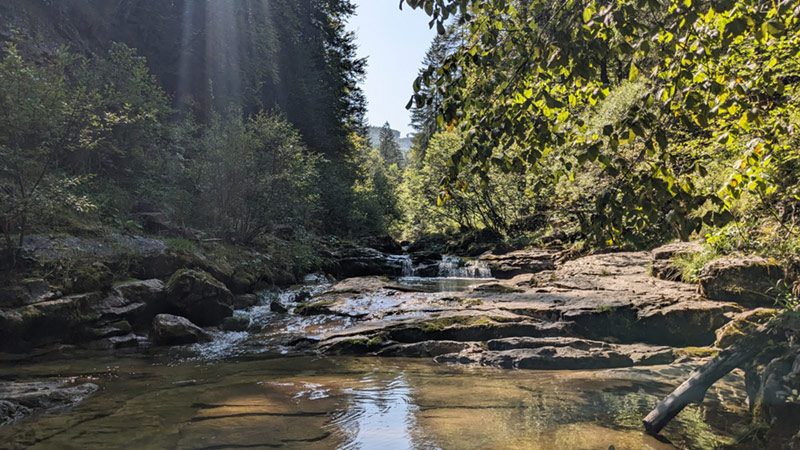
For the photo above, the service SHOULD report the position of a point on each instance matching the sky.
(395, 43)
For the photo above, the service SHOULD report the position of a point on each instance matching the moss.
(447, 322)
(697, 352)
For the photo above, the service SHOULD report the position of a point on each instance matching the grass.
(691, 265)
(181, 244)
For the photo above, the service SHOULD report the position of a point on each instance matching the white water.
(449, 267)
(453, 267)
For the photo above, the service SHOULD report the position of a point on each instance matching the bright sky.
(395, 43)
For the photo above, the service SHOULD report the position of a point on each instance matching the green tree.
(388, 147)
(256, 175)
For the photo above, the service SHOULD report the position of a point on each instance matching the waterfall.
(453, 267)
(404, 261)
(408, 267)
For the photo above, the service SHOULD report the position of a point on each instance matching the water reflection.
(379, 415)
(359, 403)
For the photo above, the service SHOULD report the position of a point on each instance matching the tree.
(388, 147)
(423, 117)
(256, 175)
(45, 119)
(715, 74)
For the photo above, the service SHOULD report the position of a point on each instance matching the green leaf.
(634, 73)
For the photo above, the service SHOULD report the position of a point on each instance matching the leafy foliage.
(717, 76)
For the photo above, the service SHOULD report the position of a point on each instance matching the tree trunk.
(694, 389)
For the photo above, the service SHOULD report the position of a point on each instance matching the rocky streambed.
(603, 316)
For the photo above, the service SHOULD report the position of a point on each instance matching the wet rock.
(497, 288)
(516, 263)
(474, 328)
(175, 330)
(561, 354)
(314, 308)
(746, 280)
(741, 325)
(353, 345)
(199, 296)
(384, 244)
(11, 412)
(18, 400)
(66, 319)
(235, 323)
(278, 307)
(119, 328)
(426, 349)
(129, 340)
(245, 301)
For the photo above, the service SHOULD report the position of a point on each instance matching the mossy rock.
(743, 324)
(92, 277)
(199, 296)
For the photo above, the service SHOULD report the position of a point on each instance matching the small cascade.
(404, 261)
(454, 267)
(408, 267)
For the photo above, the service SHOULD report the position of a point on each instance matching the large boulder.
(749, 281)
(26, 292)
(89, 278)
(199, 296)
(175, 330)
(135, 301)
(520, 262)
(64, 320)
(742, 325)
(363, 261)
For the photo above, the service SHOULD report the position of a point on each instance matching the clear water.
(359, 403)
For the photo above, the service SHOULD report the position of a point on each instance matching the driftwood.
(694, 389)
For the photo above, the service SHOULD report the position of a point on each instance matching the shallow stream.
(359, 403)
(245, 390)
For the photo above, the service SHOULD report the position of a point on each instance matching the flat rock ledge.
(596, 312)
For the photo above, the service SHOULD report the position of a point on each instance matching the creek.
(253, 389)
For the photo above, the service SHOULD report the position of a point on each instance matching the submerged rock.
(199, 296)
(748, 281)
(175, 330)
(18, 400)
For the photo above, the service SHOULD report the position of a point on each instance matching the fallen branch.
(694, 389)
